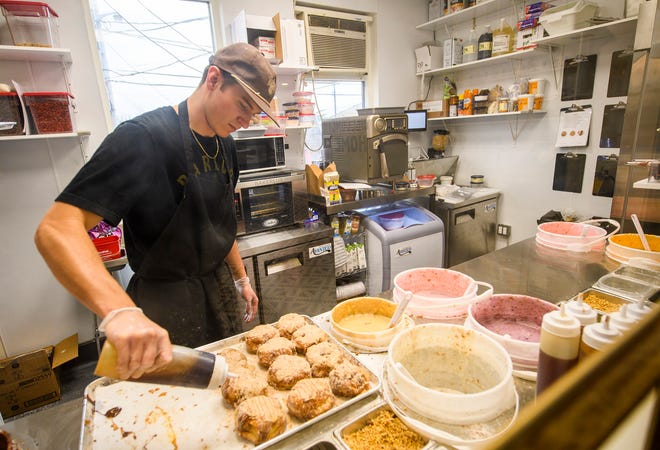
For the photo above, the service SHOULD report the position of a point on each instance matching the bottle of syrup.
(597, 336)
(189, 368)
(485, 49)
(559, 347)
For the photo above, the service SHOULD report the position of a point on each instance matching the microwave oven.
(260, 153)
(269, 200)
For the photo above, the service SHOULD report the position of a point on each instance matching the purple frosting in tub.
(518, 316)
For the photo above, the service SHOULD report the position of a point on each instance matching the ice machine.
(400, 236)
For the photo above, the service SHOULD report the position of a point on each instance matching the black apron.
(183, 283)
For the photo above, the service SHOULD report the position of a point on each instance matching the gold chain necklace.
(217, 146)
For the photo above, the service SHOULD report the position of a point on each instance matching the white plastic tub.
(568, 17)
(451, 374)
(515, 322)
(438, 294)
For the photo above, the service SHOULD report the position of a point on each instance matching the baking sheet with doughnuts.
(160, 416)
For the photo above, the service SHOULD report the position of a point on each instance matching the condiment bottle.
(485, 49)
(503, 38)
(638, 310)
(559, 347)
(581, 311)
(471, 47)
(596, 336)
(453, 106)
(189, 368)
(622, 320)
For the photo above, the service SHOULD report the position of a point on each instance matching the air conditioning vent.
(337, 23)
(337, 41)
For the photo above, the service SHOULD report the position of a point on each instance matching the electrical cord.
(316, 104)
(426, 96)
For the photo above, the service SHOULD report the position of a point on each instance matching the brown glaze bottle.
(559, 347)
(189, 368)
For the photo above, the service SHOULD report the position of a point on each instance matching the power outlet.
(503, 230)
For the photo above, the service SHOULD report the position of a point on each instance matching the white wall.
(523, 168)
(35, 310)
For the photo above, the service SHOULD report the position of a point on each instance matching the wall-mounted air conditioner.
(336, 40)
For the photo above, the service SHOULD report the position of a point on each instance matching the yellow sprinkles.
(385, 431)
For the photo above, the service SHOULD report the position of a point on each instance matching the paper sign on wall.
(574, 123)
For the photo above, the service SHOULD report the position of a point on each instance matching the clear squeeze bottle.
(597, 336)
(189, 368)
(559, 347)
(503, 38)
(485, 49)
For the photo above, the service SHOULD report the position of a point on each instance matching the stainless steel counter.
(522, 268)
(532, 269)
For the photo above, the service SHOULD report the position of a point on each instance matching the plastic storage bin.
(569, 17)
(50, 111)
(31, 24)
(10, 112)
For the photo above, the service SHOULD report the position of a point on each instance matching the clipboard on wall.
(579, 76)
(569, 172)
(610, 133)
(574, 125)
(605, 175)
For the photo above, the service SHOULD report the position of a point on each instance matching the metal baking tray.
(607, 296)
(364, 419)
(161, 416)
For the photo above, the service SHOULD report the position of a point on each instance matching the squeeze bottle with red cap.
(559, 347)
(189, 368)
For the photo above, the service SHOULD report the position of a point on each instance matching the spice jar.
(480, 105)
(439, 142)
(503, 105)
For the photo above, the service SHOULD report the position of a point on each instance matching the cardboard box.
(453, 52)
(28, 381)
(428, 58)
(435, 108)
(290, 41)
(527, 38)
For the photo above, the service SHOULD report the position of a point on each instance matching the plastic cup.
(536, 86)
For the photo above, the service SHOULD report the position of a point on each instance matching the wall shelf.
(646, 184)
(473, 65)
(20, 53)
(29, 137)
(292, 70)
(488, 116)
(609, 29)
(481, 9)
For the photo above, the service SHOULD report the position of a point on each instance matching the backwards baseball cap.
(252, 71)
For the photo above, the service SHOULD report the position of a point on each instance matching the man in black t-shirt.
(169, 175)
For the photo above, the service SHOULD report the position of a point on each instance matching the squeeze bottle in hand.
(189, 368)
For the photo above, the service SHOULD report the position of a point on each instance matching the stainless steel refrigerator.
(293, 270)
(640, 139)
(470, 225)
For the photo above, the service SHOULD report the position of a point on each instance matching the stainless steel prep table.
(522, 268)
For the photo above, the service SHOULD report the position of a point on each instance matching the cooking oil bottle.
(189, 368)
(503, 38)
(471, 47)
